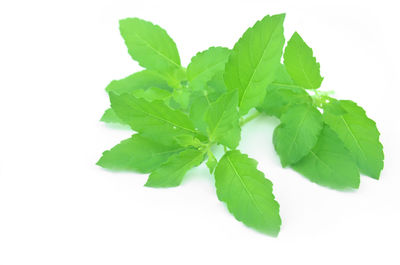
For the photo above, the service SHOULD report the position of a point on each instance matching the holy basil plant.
(179, 113)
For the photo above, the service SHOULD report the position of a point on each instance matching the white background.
(58, 207)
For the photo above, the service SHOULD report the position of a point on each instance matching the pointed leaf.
(109, 116)
(252, 64)
(149, 94)
(329, 163)
(359, 134)
(247, 193)
(144, 84)
(172, 172)
(301, 64)
(139, 154)
(205, 65)
(222, 117)
(151, 46)
(153, 119)
(140, 80)
(298, 133)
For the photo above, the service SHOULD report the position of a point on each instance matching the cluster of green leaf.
(179, 113)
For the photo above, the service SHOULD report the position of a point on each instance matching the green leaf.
(329, 163)
(201, 100)
(211, 162)
(187, 140)
(298, 133)
(142, 80)
(205, 65)
(247, 193)
(198, 108)
(109, 116)
(254, 59)
(279, 98)
(222, 117)
(216, 87)
(181, 96)
(152, 93)
(359, 134)
(154, 119)
(139, 154)
(231, 138)
(301, 64)
(144, 84)
(282, 93)
(172, 172)
(282, 76)
(151, 46)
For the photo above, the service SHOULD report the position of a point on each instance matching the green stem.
(249, 118)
